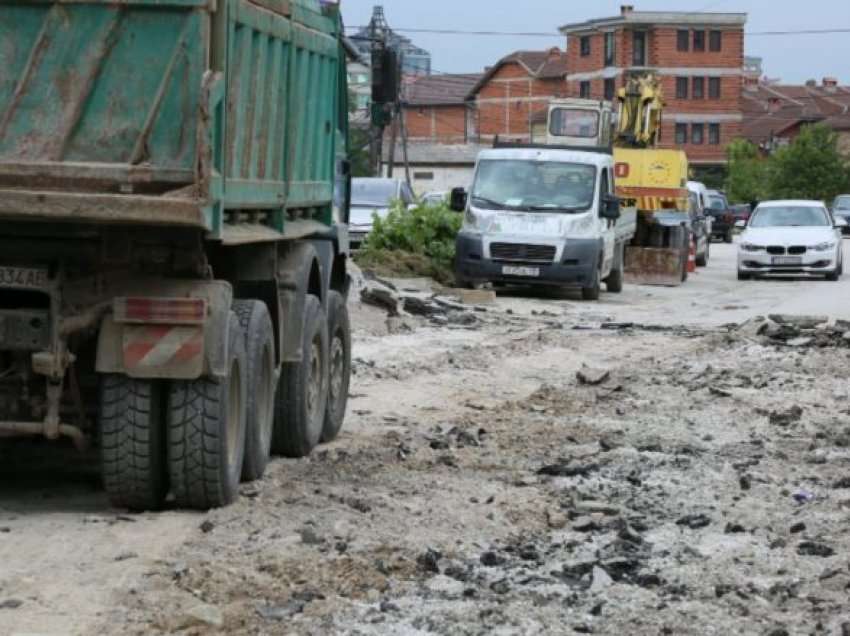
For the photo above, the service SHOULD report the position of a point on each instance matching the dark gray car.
(841, 208)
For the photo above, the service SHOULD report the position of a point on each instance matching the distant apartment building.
(699, 58)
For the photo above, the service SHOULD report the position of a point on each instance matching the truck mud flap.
(653, 266)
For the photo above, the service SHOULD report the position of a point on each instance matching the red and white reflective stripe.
(160, 311)
(162, 346)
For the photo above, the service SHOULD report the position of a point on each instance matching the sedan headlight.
(823, 247)
(752, 247)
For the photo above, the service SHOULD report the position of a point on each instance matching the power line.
(548, 34)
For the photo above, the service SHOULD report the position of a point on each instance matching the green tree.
(358, 152)
(748, 173)
(810, 168)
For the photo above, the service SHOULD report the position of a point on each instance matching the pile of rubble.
(798, 331)
(459, 307)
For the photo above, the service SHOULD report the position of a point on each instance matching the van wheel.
(302, 395)
(132, 442)
(339, 362)
(593, 291)
(260, 373)
(614, 282)
(206, 431)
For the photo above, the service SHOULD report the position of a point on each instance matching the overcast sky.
(794, 59)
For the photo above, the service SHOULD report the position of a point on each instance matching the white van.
(540, 215)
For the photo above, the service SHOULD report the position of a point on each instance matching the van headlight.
(472, 222)
(823, 247)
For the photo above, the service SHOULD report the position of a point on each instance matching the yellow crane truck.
(646, 177)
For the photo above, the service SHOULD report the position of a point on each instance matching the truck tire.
(206, 431)
(133, 442)
(260, 374)
(302, 394)
(593, 291)
(614, 282)
(339, 365)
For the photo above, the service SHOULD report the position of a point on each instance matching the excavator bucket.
(654, 266)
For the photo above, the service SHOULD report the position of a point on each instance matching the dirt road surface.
(696, 482)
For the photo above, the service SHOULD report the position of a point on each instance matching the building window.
(714, 134)
(699, 88)
(715, 41)
(610, 48)
(584, 90)
(585, 45)
(681, 134)
(681, 88)
(714, 88)
(697, 134)
(683, 40)
(639, 48)
(699, 40)
(610, 88)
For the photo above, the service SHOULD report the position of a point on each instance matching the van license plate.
(528, 272)
(787, 260)
(23, 277)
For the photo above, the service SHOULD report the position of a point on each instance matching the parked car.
(370, 197)
(700, 222)
(841, 209)
(791, 237)
(722, 219)
(741, 212)
(435, 198)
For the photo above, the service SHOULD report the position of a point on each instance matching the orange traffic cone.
(692, 257)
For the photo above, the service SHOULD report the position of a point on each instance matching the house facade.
(436, 108)
(698, 57)
(517, 88)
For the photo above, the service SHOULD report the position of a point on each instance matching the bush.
(427, 231)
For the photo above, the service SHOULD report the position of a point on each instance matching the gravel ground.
(528, 472)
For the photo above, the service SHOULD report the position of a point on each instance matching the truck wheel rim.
(314, 384)
(265, 395)
(234, 411)
(337, 368)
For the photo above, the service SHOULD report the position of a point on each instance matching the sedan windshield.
(373, 192)
(790, 216)
(534, 185)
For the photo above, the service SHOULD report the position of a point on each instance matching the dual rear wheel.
(200, 438)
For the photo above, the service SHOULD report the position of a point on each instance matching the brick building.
(436, 108)
(699, 58)
(774, 114)
(520, 85)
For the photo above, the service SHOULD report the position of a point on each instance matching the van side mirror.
(610, 208)
(457, 200)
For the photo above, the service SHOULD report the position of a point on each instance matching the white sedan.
(791, 237)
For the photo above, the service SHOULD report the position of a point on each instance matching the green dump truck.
(174, 197)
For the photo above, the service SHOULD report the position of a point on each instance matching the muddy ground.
(695, 479)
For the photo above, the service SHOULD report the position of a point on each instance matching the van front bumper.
(576, 265)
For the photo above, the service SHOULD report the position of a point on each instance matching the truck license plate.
(528, 272)
(787, 260)
(23, 277)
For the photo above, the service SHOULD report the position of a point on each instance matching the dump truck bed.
(170, 112)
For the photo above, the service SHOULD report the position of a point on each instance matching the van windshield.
(574, 122)
(534, 185)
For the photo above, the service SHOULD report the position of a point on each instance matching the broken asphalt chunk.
(694, 522)
(567, 469)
